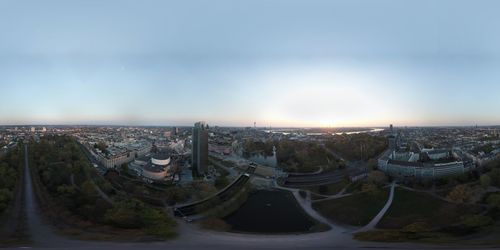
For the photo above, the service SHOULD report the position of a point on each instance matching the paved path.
(305, 203)
(41, 234)
(373, 223)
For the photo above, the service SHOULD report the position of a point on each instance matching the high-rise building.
(200, 148)
(391, 129)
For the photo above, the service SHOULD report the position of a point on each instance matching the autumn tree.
(459, 194)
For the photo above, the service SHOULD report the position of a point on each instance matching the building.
(424, 165)
(116, 160)
(157, 167)
(200, 149)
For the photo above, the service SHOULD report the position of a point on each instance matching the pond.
(270, 211)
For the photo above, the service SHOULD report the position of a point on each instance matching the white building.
(156, 167)
(425, 165)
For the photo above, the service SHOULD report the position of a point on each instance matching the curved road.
(191, 237)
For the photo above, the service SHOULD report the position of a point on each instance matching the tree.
(485, 181)
(5, 197)
(203, 189)
(175, 194)
(101, 146)
(125, 214)
(88, 188)
(494, 200)
(459, 194)
(377, 177)
(495, 176)
(221, 182)
(370, 187)
(372, 164)
(124, 167)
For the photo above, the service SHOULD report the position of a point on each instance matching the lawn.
(409, 207)
(355, 210)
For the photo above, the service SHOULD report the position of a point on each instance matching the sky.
(308, 63)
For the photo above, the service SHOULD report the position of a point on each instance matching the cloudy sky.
(230, 62)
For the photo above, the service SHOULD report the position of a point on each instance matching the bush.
(125, 214)
(175, 194)
(377, 177)
(417, 227)
(477, 221)
(494, 200)
(5, 198)
(157, 222)
(381, 236)
(485, 181)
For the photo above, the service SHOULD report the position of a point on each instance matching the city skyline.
(276, 63)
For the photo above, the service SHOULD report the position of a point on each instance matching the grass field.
(355, 210)
(409, 207)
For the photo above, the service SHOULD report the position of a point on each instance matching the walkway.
(40, 233)
(373, 223)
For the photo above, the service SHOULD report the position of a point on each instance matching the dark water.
(270, 212)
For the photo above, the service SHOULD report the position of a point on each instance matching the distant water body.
(373, 130)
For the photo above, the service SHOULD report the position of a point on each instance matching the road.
(191, 237)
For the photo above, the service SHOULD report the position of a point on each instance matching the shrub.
(417, 227)
(477, 221)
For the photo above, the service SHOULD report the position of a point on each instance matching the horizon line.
(260, 127)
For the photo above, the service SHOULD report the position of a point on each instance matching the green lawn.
(409, 207)
(355, 210)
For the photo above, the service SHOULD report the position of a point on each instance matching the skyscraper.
(200, 148)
